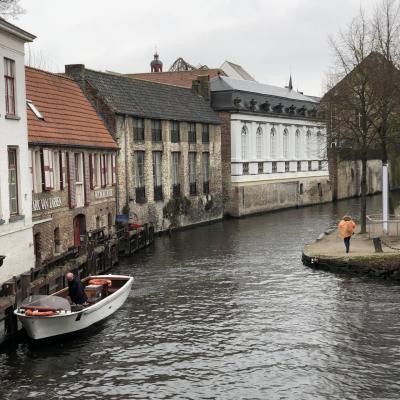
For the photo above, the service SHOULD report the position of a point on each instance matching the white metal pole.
(385, 198)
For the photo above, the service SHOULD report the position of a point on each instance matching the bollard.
(377, 244)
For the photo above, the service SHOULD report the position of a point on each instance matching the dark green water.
(227, 311)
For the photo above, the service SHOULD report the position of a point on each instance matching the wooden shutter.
(91, 170)
(46, 169)
(71, 180)
(114, 170)
(102, 177)
(86, 177)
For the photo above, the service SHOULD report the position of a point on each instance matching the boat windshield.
(46, 302)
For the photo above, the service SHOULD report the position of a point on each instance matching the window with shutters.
(192, 132)
(109, 169)
(259, 143)
(157, 176)
(206, 172)
(156, 130)
(192, 174)
(13, 180)
(285, 143)
(138, 129)
(56, 170)
(139, 177)
(175, 173)
(37, 171)
(79, 180)
(96, 171)
(9, 78)
(175, 135)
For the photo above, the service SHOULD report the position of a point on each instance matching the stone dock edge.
(378, 265)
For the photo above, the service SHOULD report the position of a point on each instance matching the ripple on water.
(228, 311)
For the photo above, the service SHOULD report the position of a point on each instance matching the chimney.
(77, 72)
(201, 86)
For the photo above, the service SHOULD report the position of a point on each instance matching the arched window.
(321, 146)
(308, 144)
(244, 142)
(297, 144)
(273, 143)
(259, 143)
(285, 143)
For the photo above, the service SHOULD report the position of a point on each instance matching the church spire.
(290, 87)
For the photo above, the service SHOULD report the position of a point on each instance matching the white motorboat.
(54, 315)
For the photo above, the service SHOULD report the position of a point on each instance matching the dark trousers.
(347, 243)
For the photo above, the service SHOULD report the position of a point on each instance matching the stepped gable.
(69, 118)
(146, 99)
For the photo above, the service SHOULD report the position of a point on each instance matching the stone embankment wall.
(349, 178)
(258, 197)
(385, 266)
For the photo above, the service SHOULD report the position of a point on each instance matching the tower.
(156, 64)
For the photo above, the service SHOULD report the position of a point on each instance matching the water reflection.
(228, 311)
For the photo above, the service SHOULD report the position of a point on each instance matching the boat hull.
(45, 327)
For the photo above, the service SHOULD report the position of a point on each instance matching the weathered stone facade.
(121, 102)
(203, 207)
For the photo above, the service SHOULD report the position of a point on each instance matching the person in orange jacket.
(346, 230)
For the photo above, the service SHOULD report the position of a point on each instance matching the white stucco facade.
(16, 240)
(275, 148)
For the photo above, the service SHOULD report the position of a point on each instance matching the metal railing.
(375, 225)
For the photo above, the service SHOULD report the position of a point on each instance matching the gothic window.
(273, 138)
(297, 143)
(244, 142)
(308, 144)
(285, 143)
(259, 142)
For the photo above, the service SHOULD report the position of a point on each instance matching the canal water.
(228, 311)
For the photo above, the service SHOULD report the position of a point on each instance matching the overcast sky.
(269, 38)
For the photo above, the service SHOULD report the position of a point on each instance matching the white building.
(16, 240)
(273, 147)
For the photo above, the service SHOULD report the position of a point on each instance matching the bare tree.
(350, 102)
(364, 104)
(10, 8)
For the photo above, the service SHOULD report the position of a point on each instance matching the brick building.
(73, 165)
(169, 165)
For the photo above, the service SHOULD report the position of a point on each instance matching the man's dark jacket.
(77, 291)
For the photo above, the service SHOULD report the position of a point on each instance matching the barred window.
(205, 134)
(175, 136)
(156, 130)
(192, 132)
(138, 129)
(192, 173)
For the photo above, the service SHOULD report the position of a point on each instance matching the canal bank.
(328, 253)
(228, 311)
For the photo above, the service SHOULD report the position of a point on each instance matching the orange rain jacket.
(346, 228)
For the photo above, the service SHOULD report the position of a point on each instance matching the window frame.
(14, 168)
(9, 82)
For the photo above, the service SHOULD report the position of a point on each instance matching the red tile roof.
(69, 118)
(176, 78)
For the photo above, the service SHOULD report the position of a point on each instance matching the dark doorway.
(79, 229)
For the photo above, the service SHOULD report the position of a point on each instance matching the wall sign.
(101, 194)
(46, 204)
